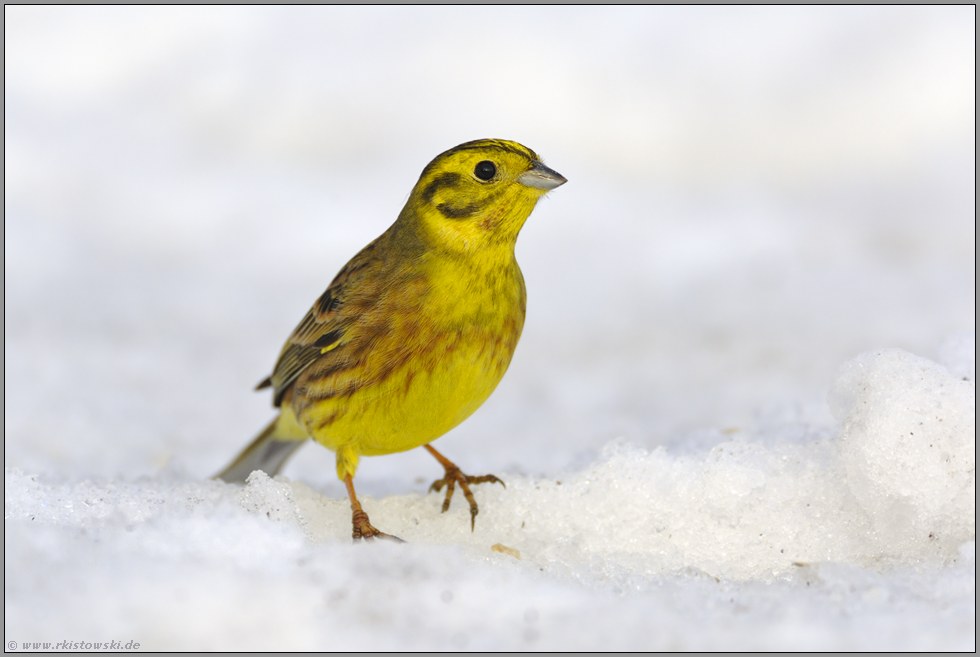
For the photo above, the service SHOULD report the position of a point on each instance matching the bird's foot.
(363, 529)
(456, 476)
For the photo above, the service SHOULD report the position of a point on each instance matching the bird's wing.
(324, 330)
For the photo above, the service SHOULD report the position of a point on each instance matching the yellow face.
(479, 194)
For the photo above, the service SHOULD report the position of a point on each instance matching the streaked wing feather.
(326, 323)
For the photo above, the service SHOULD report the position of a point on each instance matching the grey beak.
(541, 177)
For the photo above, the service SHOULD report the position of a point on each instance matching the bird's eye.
(485, 170)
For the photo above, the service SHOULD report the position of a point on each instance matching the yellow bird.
(416, 330)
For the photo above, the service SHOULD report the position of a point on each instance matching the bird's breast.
(425, 368)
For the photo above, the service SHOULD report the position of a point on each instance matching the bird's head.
(478, 195)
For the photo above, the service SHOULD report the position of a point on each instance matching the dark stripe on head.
(460, 212)
(483, 144)
(493, 144)
(447, 179)
(464, 211)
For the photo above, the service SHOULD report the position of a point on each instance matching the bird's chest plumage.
(427, 367)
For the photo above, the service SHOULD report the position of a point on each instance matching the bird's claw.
(453, 476)
(363, 529)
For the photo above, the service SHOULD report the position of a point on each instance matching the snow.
(742, 415)
(907, 441)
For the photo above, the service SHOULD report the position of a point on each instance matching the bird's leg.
(453, 476)
(362, 526)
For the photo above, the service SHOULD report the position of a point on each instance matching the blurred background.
(755, 196)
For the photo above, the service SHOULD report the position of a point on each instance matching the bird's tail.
(268, 452)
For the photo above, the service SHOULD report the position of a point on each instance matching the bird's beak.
(541, 177)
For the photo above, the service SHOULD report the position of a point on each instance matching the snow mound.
(908, 443)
